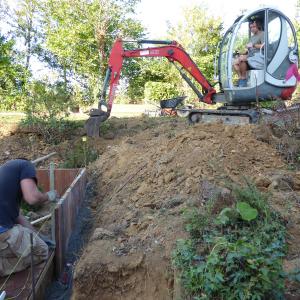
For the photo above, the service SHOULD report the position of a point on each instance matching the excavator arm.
(171, 50)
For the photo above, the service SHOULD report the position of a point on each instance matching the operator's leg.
(15, 250)
(236, 66)
(243, 69)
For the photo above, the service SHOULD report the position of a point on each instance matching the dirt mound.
(144, 183)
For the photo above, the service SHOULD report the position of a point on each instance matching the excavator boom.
(171, 50)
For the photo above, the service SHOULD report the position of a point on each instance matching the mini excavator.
(274, 82)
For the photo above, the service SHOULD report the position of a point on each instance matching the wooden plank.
(65, 214)
(43, 180)
(63, 179)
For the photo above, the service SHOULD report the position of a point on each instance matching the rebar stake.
(52, 187)
(32, 270)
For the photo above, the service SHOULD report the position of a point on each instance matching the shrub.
(159, 90)
(239, 253)
(80, 156)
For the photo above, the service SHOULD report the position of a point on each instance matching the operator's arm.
(257, 46)
(30, 192)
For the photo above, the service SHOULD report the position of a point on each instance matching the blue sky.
(154, 14)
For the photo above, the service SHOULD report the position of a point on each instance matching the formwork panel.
(65, 218)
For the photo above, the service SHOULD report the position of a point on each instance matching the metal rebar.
(32, 266)
(52, 187)
(40, 159)
(41, 219)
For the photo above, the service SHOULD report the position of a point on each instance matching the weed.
(80, 156)
(236, 254)
(106, 127)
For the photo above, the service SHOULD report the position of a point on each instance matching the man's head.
(255, 26)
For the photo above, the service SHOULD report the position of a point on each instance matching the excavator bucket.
(92, 125)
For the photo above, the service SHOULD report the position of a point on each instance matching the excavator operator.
(252, 57)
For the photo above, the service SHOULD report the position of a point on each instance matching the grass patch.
(11, 118)
(234, 254)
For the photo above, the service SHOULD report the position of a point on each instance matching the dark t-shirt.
(11, 174)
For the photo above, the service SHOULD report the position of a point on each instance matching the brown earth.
(146, 180)
(149, 171)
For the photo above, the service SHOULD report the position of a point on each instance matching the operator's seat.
(255, 78)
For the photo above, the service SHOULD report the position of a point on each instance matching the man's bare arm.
(30, 192)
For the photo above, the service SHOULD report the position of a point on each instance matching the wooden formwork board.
(63, 178)
(65, 218)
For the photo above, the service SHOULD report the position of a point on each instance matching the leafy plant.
(80, 156)
(53, 130)
(247, 212)
(237, 254)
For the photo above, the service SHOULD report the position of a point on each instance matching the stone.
(169, 177)
(282, 183)
(262, 181)
(101, 234)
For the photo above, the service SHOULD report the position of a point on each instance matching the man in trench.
(18, 181)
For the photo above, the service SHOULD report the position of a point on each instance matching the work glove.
(52, 196)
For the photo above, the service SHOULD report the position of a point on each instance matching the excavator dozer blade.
(92, 125)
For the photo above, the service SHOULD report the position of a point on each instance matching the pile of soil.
(150, 170)
(145, 182)
(30, 143)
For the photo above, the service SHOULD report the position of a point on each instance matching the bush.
(53, 130)
(159, 90)
(239, 253)
(46, 101)
(80, 156)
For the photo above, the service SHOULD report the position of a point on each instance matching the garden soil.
(145, 183)
(149, 172)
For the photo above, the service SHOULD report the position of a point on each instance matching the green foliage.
(255, 199)
(47, 101)
(247, 212)
(53, 130)
(46, 105)
(238, 254)
(199, 34)
(80, 156)
(157, 70)
(12, 77)
(25, 20)
(160, 90)
(80, 34)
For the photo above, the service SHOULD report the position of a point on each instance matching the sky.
(155, 14)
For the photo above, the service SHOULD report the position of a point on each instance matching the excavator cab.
(278, 53)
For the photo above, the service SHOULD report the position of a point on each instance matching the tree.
(80, 35)
(12, 76)
(200, 35)
(24, 21)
